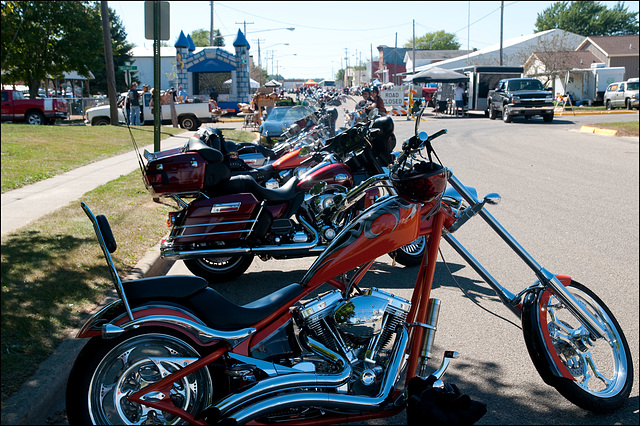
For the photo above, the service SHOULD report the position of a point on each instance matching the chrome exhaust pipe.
(330, 401)
(290, 381)
(168, 252)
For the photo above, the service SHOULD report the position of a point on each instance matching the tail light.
(171, 220)
(210, 108)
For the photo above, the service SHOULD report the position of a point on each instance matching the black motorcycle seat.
(166, 287)
(215, 310)
(220, 313)
(246, 184)
(212, 155)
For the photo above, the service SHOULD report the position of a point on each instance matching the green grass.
(624, 128)
(53, 273)
(33, 153)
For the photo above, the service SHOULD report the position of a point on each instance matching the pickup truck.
(32, 111)
(520, 97)
(190, 115)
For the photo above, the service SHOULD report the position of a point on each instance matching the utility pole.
(371, 47)
(245, 26)
(258, 40)
(211, 26)
(501, 23)
(346, 65)
(414, 46)
(108, 57)
(395, 60)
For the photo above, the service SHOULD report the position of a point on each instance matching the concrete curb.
(41, 395)
(594, 113)
(605, 132)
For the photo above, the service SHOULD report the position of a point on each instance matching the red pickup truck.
(32, 111)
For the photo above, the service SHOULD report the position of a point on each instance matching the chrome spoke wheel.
(137, 363)
(593, 373)
(597, 364)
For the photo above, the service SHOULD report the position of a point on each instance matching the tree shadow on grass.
(47, 287)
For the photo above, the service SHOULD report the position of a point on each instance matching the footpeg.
(448, 356)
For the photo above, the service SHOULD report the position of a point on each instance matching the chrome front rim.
(598, 366)
(139, 362)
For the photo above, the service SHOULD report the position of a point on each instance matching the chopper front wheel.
(601, 370)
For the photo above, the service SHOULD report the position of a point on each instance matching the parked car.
(623, 94)
(278, 119)
(16, 108)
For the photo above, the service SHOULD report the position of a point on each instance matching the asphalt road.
(570, 198)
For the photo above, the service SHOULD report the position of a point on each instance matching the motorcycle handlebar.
(414, 144)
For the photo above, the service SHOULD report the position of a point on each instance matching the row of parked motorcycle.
(286, 204)
(173, 350)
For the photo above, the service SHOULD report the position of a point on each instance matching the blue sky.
(327, 34)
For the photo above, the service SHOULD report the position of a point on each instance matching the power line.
(297, 25)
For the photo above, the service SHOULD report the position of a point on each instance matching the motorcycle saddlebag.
(224, 218)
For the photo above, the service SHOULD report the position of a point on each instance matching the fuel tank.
(332, 174)
(288, 161)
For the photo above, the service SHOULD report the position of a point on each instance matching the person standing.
(459, 97)
(134, 103)
(379, 103)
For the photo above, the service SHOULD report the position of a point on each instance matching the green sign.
(127, 68)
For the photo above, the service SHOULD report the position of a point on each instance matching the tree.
(588, 18)
(439, 40)
(48, 38)
(121, 56)
(201, 38)
(259, 74)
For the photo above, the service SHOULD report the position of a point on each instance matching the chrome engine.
(362, 329)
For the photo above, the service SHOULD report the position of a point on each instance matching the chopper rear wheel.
(219, 269)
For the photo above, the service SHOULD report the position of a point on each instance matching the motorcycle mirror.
(492, 198)
(373, 114)
(423, 136)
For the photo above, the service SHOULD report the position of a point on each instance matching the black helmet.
(423, 183)
(366, 89)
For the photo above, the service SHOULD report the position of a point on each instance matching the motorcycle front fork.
(433, 311)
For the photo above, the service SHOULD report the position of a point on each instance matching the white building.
(515, 51)
(142, 57)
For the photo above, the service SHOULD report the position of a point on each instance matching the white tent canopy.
(254, 84)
